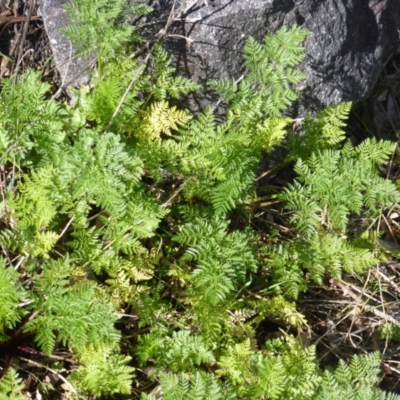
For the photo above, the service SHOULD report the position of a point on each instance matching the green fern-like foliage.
(278, 56)
(95, 26)
(100, 170)
(221, 264)
(11, 386)
(315, 133)
(166, 83)
(197, 386)
(99, 104)
(219, 160)
(125, 234)
(267, 88)
(278, 307)
(295, 264)
(326, 193)
(11, 293)
(356, 380)
(128, 277)
(145, 119)
(103, 372)
(161, 119)
(79, 313)
(332, 186)
(390, 332)
(31, 128)
(180, 353)
(287, 371)
(256, 376)
(267, 378)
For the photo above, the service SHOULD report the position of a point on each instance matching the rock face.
(350, 43)
(71, 68)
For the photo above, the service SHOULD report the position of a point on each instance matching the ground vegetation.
(146, 253)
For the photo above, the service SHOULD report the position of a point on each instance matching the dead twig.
(347, 289)
(37, 364)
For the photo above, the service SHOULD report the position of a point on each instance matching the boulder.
(350, 44)
(71, 68)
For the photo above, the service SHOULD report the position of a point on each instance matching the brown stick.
(13, 20)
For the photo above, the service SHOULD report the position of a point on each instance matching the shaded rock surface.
(71, 68)
(350, 44)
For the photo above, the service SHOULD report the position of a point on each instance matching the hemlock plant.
(117, 241)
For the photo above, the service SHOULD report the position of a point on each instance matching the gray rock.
(350, 43)
(72, 69)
